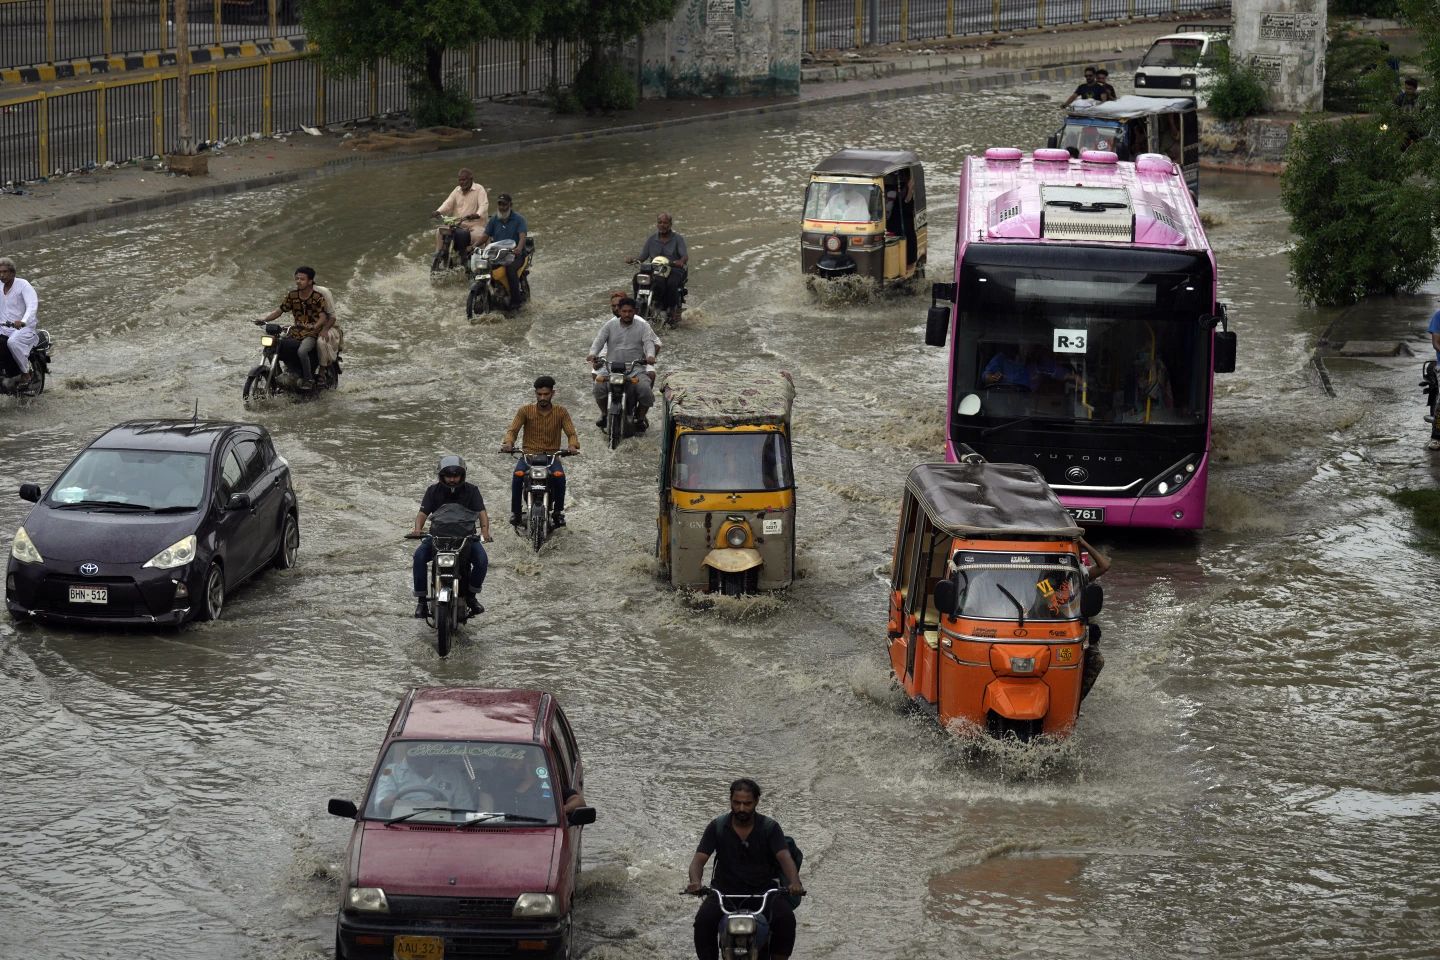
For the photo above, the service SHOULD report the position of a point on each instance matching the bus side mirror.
(937, 325)
(945, 597)
(1225, 349)
(1091, 600)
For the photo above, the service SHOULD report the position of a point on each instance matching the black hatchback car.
(154, 523)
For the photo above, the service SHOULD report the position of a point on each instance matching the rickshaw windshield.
(1002, 591)
(844, 202)
(732, 461)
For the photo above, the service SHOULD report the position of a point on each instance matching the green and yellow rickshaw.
(865, 216)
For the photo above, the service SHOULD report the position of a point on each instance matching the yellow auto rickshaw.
(727, 492)
(865, 216)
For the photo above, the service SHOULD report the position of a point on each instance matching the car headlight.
(735, 536)
(536, 905)
(740, 926)
(177, 554)
(1187, 81)
(366, 900)
(1139, 79)
(23, 549)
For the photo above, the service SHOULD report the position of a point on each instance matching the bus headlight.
(1172, 479)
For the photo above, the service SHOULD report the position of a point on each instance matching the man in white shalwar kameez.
(19, 323)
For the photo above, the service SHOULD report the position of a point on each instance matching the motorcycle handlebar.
(547, 453)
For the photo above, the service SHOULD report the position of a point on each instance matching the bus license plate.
(89, 595)
(419, 948)
(1087, 514)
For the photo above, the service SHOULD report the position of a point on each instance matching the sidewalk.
(966, 65)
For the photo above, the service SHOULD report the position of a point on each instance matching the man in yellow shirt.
(542, 423)
(470, 203)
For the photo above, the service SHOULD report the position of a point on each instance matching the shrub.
(1358, 73)
(562, 99)
(450, 107)
(1364, 8)
(1364, 222)
(602, 85)
(1236, 92)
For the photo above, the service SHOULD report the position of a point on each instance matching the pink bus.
(1084, 331)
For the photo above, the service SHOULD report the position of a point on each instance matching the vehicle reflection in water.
(170, 788)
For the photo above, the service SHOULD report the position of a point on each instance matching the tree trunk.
(434, 68)
(182, 63)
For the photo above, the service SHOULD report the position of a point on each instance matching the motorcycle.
(620, 411)
(535, 493)
(744, 934)
(491, 292)
(452, 531)
(447, 259)
(272, 376)
(39, 367)
(650, 278)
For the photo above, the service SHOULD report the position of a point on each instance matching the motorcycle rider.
(19, 307)
(751, 851)
(508, 224)
(615, 297)
(452, 488)
(664, 242)
(470, 203)
(625, 338)
(313, 320)
(541, 422)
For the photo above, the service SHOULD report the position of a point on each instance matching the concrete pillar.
(724, 48)
(1285, 40)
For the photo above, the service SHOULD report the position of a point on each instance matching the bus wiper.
(1019, 607)
(1006, 426)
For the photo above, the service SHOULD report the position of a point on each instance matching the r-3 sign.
(1070, 341)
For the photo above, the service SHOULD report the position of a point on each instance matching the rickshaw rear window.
(732, 461)
(844, 202)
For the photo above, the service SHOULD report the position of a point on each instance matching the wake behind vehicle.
(622, 407)
(463, 846)
(278, 369)
(865, 216)
(727, 493)
(39, 367)
(989, 606)
(492, 286)
(1133, 125)
(155, 522)
(452, 531)
(651, 285)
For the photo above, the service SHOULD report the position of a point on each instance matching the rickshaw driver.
(541, 423)
(1094, 659)
(625, 338)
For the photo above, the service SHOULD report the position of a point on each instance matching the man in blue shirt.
(1430, 375)
(1022, 371)
(508, 224)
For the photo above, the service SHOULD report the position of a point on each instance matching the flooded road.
(1255, 775)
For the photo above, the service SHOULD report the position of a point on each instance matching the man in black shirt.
(452, 488)
(752, 850)
(1089, 90)
(1102, 80)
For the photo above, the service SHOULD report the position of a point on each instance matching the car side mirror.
(945, 597)
(579, 817)
(1226, 344)
(342, 808)
(30, 492)
(937, 326)
(1091, 600)
(238, 501)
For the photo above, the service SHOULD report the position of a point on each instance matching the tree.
(602, 25)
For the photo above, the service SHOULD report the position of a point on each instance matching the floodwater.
(1255, 775)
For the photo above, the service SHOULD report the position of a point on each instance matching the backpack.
(796, 854)
(452, 521)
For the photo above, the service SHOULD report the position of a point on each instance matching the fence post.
(43, 116)
(995, 16)
(102, 146)
(319, 95)
(274, 20)
(905, 20)
(1039, 13)
(267, 99)
(525, 65)
(949, 18)
(164, 24)
(1130, 9)
(472, 79)
(107, 26)
(159, 84)
(374, 90)
(219, 11)
(874, 21)
(1085, 11)
(214, 104)
(858, 36)
(811, 8)
(50, 31)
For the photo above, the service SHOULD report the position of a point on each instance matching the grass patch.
(1425, 503)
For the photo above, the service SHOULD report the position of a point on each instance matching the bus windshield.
(1005, 592)
(844, 202)
(1075, 344)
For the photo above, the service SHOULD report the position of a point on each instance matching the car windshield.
(154, 479)
(844, 202)
(1001, 591)
(732, 461)
(1092, 135)
(462, 781)
(1174, 53)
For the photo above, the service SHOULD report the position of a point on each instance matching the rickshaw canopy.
(698, 400)
(851, 162)
(989, 500)
(1130, 107)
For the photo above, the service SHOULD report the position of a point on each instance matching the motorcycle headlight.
(538, 473)
(740, 926)
(267, 341)
(536, 905)
(23, 549)
(366, 900)
(177, 554)
(445, 560)
(735, 536)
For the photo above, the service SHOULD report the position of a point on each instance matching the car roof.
(191, 435)
(472, 713)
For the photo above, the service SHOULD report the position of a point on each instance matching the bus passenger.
(1016, 367)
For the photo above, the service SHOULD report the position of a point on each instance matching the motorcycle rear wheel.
(444, 625)
(477, 303)
(537, 526)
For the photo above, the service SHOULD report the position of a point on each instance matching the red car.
(468, 842)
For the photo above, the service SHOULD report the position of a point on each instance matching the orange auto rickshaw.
(989, 607)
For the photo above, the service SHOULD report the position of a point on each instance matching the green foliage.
(562, 99)
(451, 106)
(602, 85)
(1425, 503)
(1364, 8)
(1358, 77)
(1236, 92)
(601, 21)
(1364, 223)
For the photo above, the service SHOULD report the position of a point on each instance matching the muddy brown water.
(1256, 774)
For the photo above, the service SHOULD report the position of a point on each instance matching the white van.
(1172, 65)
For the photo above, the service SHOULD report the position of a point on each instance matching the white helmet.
(661, 266)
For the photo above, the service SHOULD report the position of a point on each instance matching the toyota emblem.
(1077, 474)
(89, 568)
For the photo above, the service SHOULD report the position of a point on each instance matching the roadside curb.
(125, 208)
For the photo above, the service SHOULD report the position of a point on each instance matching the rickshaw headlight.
(1022, 664)
(735, 536)
(740, 926)
(834, 243)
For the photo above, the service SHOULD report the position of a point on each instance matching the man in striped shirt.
(542, 423)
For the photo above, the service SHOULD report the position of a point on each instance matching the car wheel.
(212, 601)
(289, 549)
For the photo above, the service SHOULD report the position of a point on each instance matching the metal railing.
(36, 32)
(846, 24)
(43, 133)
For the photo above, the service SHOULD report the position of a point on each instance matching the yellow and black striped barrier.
(118, 63)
